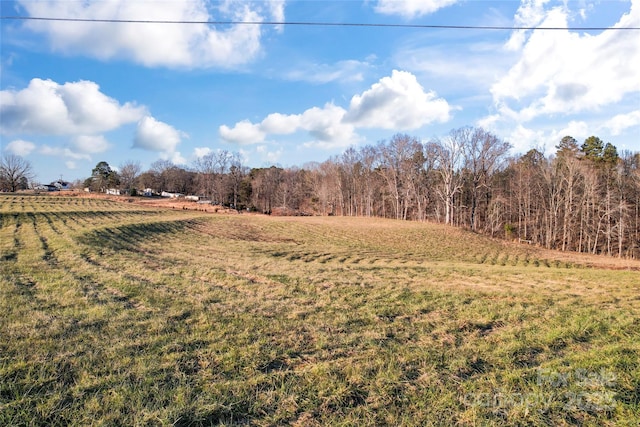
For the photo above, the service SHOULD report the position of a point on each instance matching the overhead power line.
(316, 24)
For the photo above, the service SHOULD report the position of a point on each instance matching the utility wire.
(312, 23)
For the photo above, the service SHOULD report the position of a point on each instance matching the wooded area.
(585, 197)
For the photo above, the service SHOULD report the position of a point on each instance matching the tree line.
(585, 197)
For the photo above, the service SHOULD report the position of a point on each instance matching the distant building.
(171, 195)
(61, 185)
(54, 186)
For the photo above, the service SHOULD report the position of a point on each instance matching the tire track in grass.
(115, 270)
(25, 272)
(100, 293)
(78, 219)
(130, 236)
(11, 253)
(48, 255)
(95, 280)
(338, 237)
(42, 225)
(47, 216)
(60, 236)
(128, 241)
(60, 218)
(24, 286)
(64, 219)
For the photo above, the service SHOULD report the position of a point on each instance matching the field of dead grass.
(121, 314)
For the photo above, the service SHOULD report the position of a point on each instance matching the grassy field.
(117, 314)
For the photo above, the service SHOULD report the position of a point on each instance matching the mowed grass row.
(116, 314)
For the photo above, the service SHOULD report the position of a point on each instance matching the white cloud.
(328, 127)
(276, 7)
(169, 45)
(154, 135)
(621, 122)
(243, 132)
(489, 122)
(397, 102)
(341, 71)
(324, 124)
(46, 107)
(523, 139)
(576, 128)
(200, 152)
(91, 144)
(281, 124)
(561, 77)
(564, 72)
(63, 152)
(467, 67)
(70, 164)
(267, 155)
(176, 158)
(411, 8)
(20, 147)
(530, 14)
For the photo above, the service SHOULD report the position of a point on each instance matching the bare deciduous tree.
(448, 160)
(15, 173)
(484, 153)
(129, 172)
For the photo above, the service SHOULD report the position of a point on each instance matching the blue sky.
(77, 93)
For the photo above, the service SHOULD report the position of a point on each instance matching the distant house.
(113, 191)
(171, 195)
(192, 198)
(148, 192)
(54, 186)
